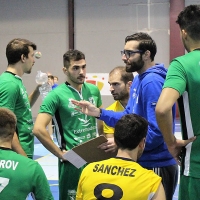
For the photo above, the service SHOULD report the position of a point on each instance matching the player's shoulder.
(22, 160)
(9, 78)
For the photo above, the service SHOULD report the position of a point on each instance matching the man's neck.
(75, 86)
(15, 69)
(192, 44)
(127, 154)
(146, 66)
(5, 144)
(124, 102)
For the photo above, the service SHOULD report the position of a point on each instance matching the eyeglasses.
(128, 53)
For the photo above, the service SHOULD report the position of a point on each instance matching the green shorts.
(68, 180)
(189, 188)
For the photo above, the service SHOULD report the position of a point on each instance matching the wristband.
(100, 111)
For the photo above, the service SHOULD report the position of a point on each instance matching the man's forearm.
(44, 137)
(34, 96)
(165, 124)
(111, 117)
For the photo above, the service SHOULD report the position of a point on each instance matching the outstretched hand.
(86, 108)
(176, 148)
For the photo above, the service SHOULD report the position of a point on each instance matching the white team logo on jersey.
(71, 105)
(84, 122)
(72, 194)
(91, 100)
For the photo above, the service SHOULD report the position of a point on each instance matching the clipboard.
(88, 152)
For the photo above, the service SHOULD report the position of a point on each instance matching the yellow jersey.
(117, 179)
(116, 106)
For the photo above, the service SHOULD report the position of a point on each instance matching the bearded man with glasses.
(138, 55)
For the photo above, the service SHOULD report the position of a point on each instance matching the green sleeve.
(176, 77)
(99, 103)
(41, 189)
(8, 95)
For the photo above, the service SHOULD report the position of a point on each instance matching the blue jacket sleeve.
(110, 117)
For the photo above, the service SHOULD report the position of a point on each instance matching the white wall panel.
(100, 29)
(43, 22)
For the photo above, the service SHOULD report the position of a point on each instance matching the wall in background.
(43, 22)
(100, 30)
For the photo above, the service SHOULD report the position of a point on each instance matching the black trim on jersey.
(57, 116)
(122, 158)
(5, 148)
(66, 83)
(197, 49)
(183, 121)
(10, 73)
(183, 130)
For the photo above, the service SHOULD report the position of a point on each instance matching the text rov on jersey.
(8, 164)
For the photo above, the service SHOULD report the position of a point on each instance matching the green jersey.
(72, 128)
(184, 76)
(19, 176)
(13, 95)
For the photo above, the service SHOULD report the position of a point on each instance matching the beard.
(135, 66)
(28, 71)
(121, 96)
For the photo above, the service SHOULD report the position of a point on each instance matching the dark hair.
(7, 123)
(18, 47)
(125, 76)
(129, 131)
(145, 43)
(51, 77)
(72, 55)
(189, 20)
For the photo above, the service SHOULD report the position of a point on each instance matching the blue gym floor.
(49, 164)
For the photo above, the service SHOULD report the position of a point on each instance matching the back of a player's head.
(18, 47)
(125, 76)
(129, 131)
(51, 77)
(189, 20)
(7, 123)
(72, 55)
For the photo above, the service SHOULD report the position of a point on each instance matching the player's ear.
(65, 70)
(142, 143)
(129, 84)
(184, 33)
(146, 55)
(23, 58)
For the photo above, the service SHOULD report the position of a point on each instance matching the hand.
(86, 108)
(176, 148)
(108, 146)
(62, 159)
